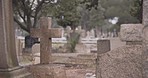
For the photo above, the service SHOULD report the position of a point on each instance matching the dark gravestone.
(30, 41)
(103, 46)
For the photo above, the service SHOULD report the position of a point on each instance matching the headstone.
(87, 34)
(9, 67)
(131, 32)
(79, 30)
(83, 34)
(68, 31)
(125, 61)
(62, 32)
(19, 48)
(92, 33)
(103, 46)
(29, 41)
(45, 33)
(36, 48)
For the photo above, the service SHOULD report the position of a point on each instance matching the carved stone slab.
(131, 32)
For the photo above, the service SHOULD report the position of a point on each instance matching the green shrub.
(72, 41)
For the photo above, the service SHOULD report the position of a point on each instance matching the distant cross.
(45, 33)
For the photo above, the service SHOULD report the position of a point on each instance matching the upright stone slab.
(9, 67)
(103, 46)
(45, 33)
(131, 32)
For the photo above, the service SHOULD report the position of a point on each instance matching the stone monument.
(125, 61)
(9, 67)
(103, 46)
(45, 33)
(46, 69)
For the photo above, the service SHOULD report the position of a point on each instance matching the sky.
(114, 20)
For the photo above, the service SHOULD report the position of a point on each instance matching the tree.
(136, 10)
(121, 9)
(66, 13)
(27, 12)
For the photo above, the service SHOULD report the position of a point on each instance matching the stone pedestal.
(48, 71)
(9, 67)
(17, 72)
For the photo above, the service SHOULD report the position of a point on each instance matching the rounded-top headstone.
(131, 32)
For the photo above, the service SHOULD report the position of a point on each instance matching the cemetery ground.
(107, 61)
(77, 65)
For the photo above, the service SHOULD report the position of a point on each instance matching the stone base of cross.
(45, 33)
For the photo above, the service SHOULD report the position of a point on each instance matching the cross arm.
(55, 33)
(34, 32)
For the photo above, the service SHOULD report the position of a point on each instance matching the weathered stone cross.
(45, 33)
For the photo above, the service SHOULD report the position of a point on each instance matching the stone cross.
(45, 33)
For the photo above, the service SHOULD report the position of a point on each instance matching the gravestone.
(29, 42)
(92, 33)
(125, 61)
(83, 34)
(45, 33)
(36, 48)
(87, 34)
(62, 32)
(68, 31)
(9, 67)
(103, 46)
(19, 47)
(131, 32)
(79, 29)
(46, 68)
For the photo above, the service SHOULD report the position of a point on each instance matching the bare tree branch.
(32, 4)
(23, 17)
(20, 24)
